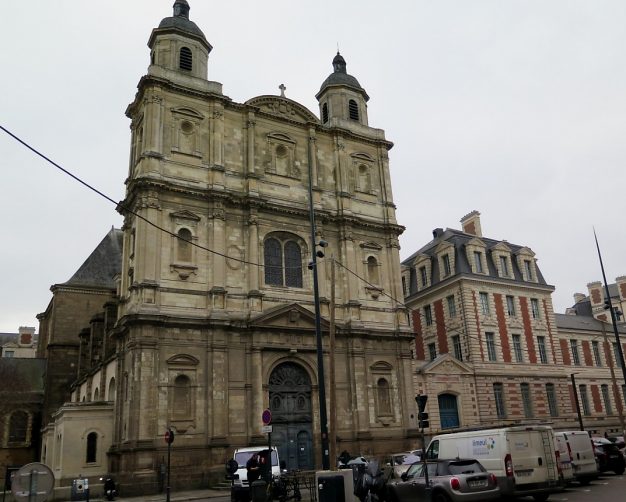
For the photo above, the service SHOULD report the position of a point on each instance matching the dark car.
(453, 480)
(608, 456)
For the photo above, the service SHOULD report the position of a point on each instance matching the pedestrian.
(253, 468)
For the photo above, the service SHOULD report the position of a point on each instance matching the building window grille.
(543, 354)
(18, 425)
(478, 262)
(534, 305)
(447, 270)
(484, 303)
(584, 399)
(353, 110)
(498, 395)
(528, 271)
(575, 355)
(293, 265)
(423, 277)
(451, 306)
(277, 274)
(325, 113)
(432, 351)
(552, 403)
(510, 306)
(517, 348)
(607, 400)
(491, 346)
(185, 59)
(596, 353)
(526, 400)
(92, 447)
(504, 266)
(428, 315)
(456, 344)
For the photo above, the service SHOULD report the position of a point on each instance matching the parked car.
(453, 480)
(397, 464)
(608, 456)
(576, 452)
(619, 441)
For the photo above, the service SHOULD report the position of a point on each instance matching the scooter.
(370, 483)
(109, 488)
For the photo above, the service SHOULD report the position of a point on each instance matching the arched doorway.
(448, 411)
(290, 403)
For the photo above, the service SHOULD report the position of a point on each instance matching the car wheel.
(620, 471)
(440, 497)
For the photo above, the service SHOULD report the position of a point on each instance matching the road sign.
(266, 417)
(33, 482)
(169, 436)
(266, 429)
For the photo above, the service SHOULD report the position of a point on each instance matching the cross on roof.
(282, 88)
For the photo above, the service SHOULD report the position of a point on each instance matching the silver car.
(449, 481)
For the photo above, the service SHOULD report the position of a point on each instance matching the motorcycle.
(370, 483)
(109, 488)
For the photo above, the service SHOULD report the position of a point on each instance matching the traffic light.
(421, 399)
(422, 416)
(607, 304)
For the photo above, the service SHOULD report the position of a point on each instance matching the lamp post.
(580, 417)
(315, 253)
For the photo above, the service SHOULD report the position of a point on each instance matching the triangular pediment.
(526, 251)
(475, 241)
(283, 107)
(291, 316)
(446, 364)
(185, 215)
(443, 246)
(421, 258)
(501, 246)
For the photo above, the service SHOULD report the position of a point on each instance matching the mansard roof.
(459, 241)
(103, 264)
(585, 322)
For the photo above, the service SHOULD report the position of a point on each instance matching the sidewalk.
(178, 496)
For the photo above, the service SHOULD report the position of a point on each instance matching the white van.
(565, 459)
(580, 451)
(240, 489)
(524, 459)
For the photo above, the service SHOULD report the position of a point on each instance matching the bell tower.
(178, 46)
(341, 98)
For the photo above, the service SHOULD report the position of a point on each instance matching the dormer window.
(504, 266)
(478, 262)
(423, 277)
(445, 261)
(353, 110)
(528, 270)
(185, 62)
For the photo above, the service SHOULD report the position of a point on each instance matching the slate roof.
(566, 321)
(29, 372)
(462, 266)
(340, 76)
(180, 22)
(103, 264)
(583, 307)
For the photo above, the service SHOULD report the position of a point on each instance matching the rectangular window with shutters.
(552, 404)
(607, 400)
(428, 315)
(517, 348)
(526, 400)
(575, 355)
(451, 306)
(543, 355)
(584, 399)
(456, 344)
(484, 302)
(596, 352)
(491, 346)
(498, 395)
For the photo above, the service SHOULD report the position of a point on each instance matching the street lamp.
(315, 254)
(580, 417)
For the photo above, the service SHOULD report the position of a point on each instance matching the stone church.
(213, 314)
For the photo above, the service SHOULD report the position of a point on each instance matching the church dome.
(180, 22)
(341, 77)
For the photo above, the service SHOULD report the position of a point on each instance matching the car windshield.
(242, 458)
(465, 467)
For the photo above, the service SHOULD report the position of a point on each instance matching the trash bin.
(258, 491)
(330, 488)
(80, 489)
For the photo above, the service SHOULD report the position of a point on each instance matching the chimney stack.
(471, 224)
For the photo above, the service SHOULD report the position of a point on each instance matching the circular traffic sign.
(266, 417)
(169, 436)
(33, 482)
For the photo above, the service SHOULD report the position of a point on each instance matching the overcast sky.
(514, 108)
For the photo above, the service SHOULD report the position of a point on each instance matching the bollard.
(258, 491)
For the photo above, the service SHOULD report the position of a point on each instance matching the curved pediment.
(189, 112)
(183, 360)
(283, 107)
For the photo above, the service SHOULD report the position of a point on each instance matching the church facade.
(215, 309)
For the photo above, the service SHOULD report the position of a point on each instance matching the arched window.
(293, 265)
(96, 394)
(372, 270)
(112, 390)
(353, 110)
(185, 62)
(92, 447)
(364, 179)
(184, 245)
(182, 397)
(384, 399)
(325, 113)
(18, 425)
(279, 271)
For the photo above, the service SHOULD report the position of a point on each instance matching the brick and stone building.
(214, 312)
(490, 350)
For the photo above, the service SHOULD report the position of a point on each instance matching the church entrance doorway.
(290, 403)
(448, 411)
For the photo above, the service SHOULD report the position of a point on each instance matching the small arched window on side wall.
(372, 271)
(92, 447)
(18, 426)
(325, 113)
(183, 245)
(353, 110)
(384, 398)
(112, 390)
(182, 398)
(186, 59)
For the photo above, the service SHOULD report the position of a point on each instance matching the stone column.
(153, 133)
(258, 397)
(220, 392)
(253, 250)
(250, 167)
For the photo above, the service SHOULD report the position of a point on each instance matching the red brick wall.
(565, 352)
(528, 330)
(419, 337)
(480, 338)
(504, 337)
(442, 335)
(597, 401)
(596, 297)
(587, 353)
